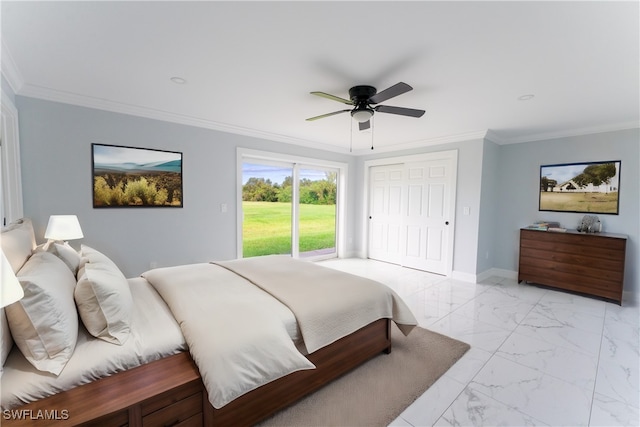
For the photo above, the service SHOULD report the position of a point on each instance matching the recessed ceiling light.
(178, 80)
(525, 97)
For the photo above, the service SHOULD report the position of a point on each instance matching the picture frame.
(135, 177)
(587, 187)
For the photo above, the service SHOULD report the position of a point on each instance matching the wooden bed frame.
(170, 391)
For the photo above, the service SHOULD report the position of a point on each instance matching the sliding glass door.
(266, 208)
(288, 208)
(317, 211)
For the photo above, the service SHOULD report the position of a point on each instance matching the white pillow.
(88, 254)
(7, 341)
(63, 251)
(70, 256)
(44, 323)
(18, 240)
(103, 298)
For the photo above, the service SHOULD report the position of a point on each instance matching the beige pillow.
(63, 251)
(18, 240)
(103, 298)
(7, 341)
(70, 256)
(44, 323)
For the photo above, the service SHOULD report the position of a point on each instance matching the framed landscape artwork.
(135, 177)
(591, 187)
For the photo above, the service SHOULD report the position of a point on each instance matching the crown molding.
(441, 140)
(573, 133)
(10, 70)
(13, 77)
(495, 138)
(166, 116)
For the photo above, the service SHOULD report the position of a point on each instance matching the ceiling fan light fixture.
(362, 115)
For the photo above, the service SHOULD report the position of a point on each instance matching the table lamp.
(62, 228)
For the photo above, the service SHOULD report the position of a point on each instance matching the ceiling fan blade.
(364, 125)
(395, 90)
(332, 97)
(399, 110)
(310, 119)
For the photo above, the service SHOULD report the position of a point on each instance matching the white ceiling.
(249, 66)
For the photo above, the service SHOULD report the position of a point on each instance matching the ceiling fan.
(362, 97)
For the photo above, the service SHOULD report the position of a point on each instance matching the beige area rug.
(375, 393)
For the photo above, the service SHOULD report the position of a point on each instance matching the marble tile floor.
(538, 357)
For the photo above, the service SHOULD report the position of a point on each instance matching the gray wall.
(56, 168)
(489, 207)
(6, 89)
(518, 172)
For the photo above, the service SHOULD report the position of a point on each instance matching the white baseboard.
(353, 254)
(464, 277)
(507, 274)
(630, 298)
(477, 278)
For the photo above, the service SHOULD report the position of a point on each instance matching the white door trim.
(448, 154)
(10, 170)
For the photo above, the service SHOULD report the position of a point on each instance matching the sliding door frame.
(247, 154)
(10, 169)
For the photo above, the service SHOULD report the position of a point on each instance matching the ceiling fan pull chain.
(351, 137)
(373, 122)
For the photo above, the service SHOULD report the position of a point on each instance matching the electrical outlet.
(223, 207)
(466, 210)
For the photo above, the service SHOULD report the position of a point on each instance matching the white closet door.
(411, 213)
(427, 218)
(386, 185)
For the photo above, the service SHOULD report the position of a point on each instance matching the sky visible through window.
(277, 174)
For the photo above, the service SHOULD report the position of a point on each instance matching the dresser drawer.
(572, 282)
(584, 267)
(609, 249)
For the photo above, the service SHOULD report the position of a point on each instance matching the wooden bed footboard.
(331, 362)
(121, 399)
(169, 391)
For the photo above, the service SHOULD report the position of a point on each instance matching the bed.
(225, 343)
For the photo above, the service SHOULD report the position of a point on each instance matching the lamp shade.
(11, 290)
(63, 227)
(362, 115)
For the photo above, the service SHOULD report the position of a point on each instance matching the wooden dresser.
(591, 264)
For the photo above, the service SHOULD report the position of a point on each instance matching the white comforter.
(236, 331)
(328, 304)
